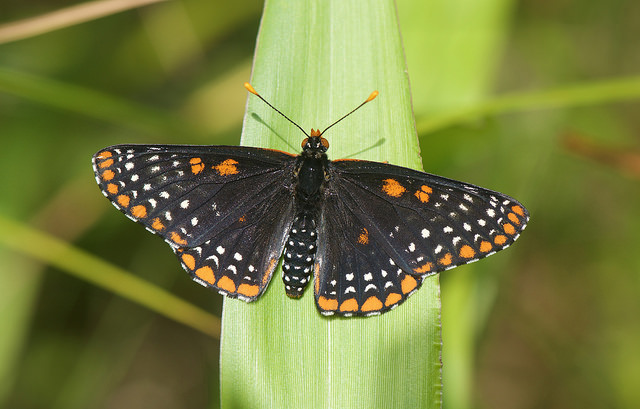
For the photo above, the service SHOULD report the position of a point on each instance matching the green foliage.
(283, 353)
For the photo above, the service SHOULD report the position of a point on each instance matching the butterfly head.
(315, 142)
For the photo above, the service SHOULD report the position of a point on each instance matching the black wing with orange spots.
(354, 271)
(225, 211)
(391, 226)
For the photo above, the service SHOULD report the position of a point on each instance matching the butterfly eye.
(324, 143)
(304, 142)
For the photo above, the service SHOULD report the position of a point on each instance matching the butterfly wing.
(225, 211)
(399, 226)
(355, 273)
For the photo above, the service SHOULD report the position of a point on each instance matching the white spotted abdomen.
(299, 253)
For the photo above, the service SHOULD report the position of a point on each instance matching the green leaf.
(85, 266)
(93, 104)
(571, 96)
(316, 61)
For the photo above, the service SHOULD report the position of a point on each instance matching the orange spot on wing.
(196, 165)
(104, 155)
(364, 237)
(423, 193)
(106, 163)
(272, 265)
(112, 188)
(189, 261)
(485, 246)
(518, 210)
(349, 305)
(227, 167)
(392, 298)
(316, 282)
(509, 229)
(139, 211)
(500, 239)
(227, 284)
(371, 304)
(248, 290)
(467, 252)
(408, 284)
(157, 224)
(206, 274)
(176, 238)
(446, 260)
(123, 200)
(513, 218)
(107, 175)
(327, 304)
(393, 188)
(425, 268)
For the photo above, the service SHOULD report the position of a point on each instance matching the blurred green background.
(537, 99)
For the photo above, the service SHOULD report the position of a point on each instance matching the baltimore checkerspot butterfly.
(366, 233)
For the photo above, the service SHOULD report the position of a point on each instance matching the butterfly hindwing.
(223, 210)
(239, 260)
(355, 273)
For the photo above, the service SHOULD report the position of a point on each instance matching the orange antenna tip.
(372, 96)
(250, 88)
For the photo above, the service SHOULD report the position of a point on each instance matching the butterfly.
(366, 234)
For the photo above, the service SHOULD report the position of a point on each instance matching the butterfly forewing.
(224, 210)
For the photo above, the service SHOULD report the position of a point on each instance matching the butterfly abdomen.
(299, 254)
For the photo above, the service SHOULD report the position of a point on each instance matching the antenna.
(254, 92)
(369, 99)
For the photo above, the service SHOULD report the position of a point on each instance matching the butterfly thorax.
(300, 248)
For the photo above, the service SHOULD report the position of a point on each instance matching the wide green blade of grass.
(316, 61)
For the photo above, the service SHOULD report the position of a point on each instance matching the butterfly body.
(366, 234)
(300, 249)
